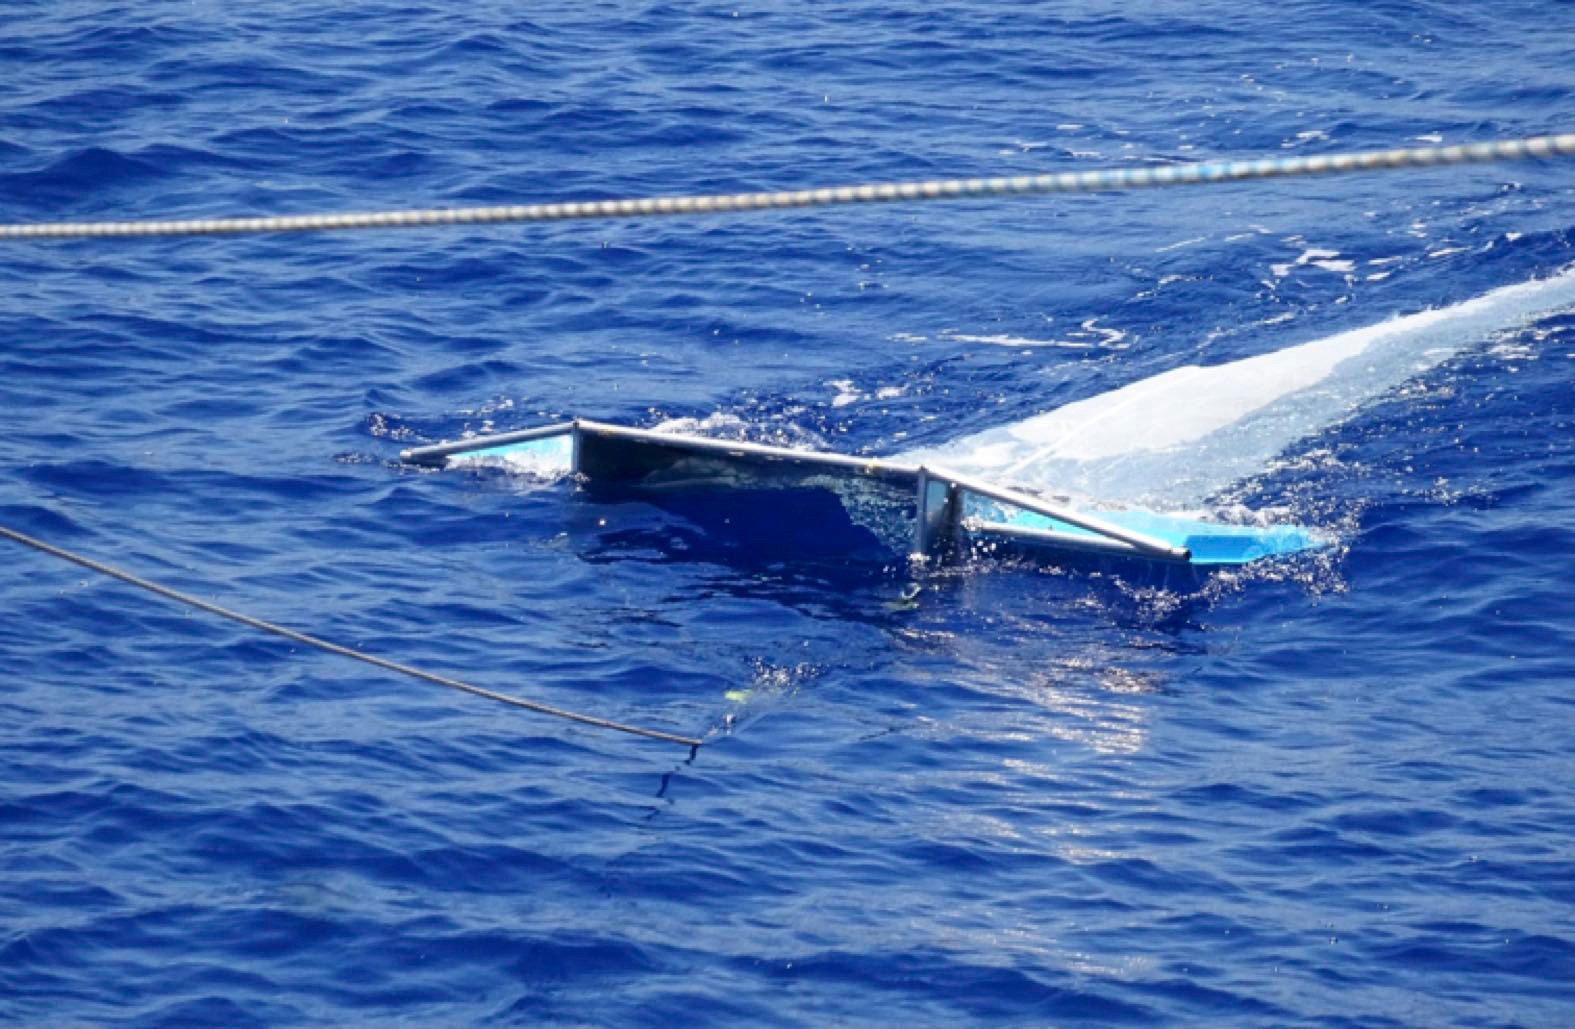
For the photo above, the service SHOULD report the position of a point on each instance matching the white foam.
(1016, 341)
(718, 423)
(1089, 335)
(1328, 260)
(846, 394)
(1176, 438)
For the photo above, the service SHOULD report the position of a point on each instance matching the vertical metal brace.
(575, 433)
(938, 505)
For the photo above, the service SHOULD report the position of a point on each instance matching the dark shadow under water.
(801, 547)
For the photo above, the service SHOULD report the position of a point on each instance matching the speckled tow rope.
(1562, 145)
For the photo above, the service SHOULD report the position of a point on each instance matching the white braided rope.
(940, 189)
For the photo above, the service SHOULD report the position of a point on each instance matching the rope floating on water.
(1206, 172)
(334, 648)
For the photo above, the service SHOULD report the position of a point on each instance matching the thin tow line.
(1200, 173)
(335, 648)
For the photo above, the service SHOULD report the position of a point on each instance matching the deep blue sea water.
(1331, 792)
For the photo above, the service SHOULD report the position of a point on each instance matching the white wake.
(1175, 439)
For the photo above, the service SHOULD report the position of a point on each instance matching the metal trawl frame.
(939, 493)
(435, 455)
(1143, 544)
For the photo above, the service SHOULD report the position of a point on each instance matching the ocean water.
(1331, 791)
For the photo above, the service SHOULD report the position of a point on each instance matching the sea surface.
(1336, 790)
